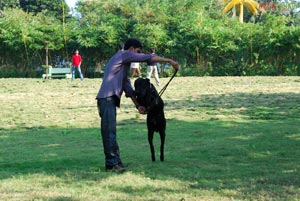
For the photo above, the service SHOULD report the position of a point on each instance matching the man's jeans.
(79, 71)
(107, 112)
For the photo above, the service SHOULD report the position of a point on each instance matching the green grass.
(228, 138)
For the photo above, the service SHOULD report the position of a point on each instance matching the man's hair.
(152, 50)
(121, 46)
(132, 42)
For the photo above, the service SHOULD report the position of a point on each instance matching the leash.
(165, 87)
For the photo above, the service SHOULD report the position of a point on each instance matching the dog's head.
(142, 86)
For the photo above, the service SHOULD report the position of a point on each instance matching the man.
(76, 61)
(115, 81)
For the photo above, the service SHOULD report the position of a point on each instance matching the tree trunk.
(241, 16)
(234, 12)
(197, 56)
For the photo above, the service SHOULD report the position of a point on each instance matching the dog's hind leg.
(150, 140)
(162, 145)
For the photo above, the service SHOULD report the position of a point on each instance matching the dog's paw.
(153, 158)
(162, 158)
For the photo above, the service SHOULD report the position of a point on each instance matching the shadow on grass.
(259, 154)
(209, 155)
(49, 150)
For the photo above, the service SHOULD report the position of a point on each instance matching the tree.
(8, 4)
(22, 32)
(196, 33)
(55, 8)
(252, 6)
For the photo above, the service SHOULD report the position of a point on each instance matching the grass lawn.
(228, 138)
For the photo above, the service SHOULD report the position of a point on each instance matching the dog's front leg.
(150, 140)
(162, 145)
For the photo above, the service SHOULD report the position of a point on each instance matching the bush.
(15, 72)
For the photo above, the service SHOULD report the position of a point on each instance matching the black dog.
(148, 97)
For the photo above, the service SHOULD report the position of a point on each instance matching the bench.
(59, 73)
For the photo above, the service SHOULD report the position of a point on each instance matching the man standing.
(115, 81)
(76, 61)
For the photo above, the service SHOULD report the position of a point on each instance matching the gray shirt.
(115, 79)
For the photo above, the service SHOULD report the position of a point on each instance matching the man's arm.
(129, 92)
(173, 63)
(141, 109)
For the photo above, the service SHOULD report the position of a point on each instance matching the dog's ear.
(136, 82)
(148, 81)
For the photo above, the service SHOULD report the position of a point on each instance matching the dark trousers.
(107, 113)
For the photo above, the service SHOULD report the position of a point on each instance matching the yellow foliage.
(251, 5)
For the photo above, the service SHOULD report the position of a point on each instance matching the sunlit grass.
(228, 138)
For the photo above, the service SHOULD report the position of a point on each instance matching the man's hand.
(174, 64)
(142, 110)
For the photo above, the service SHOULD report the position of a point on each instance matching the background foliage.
(196, 33)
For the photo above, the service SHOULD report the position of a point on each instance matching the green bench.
(58, 73)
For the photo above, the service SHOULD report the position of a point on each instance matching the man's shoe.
(124, 165)
(116, 169)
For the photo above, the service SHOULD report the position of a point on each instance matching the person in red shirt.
(76, 61)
